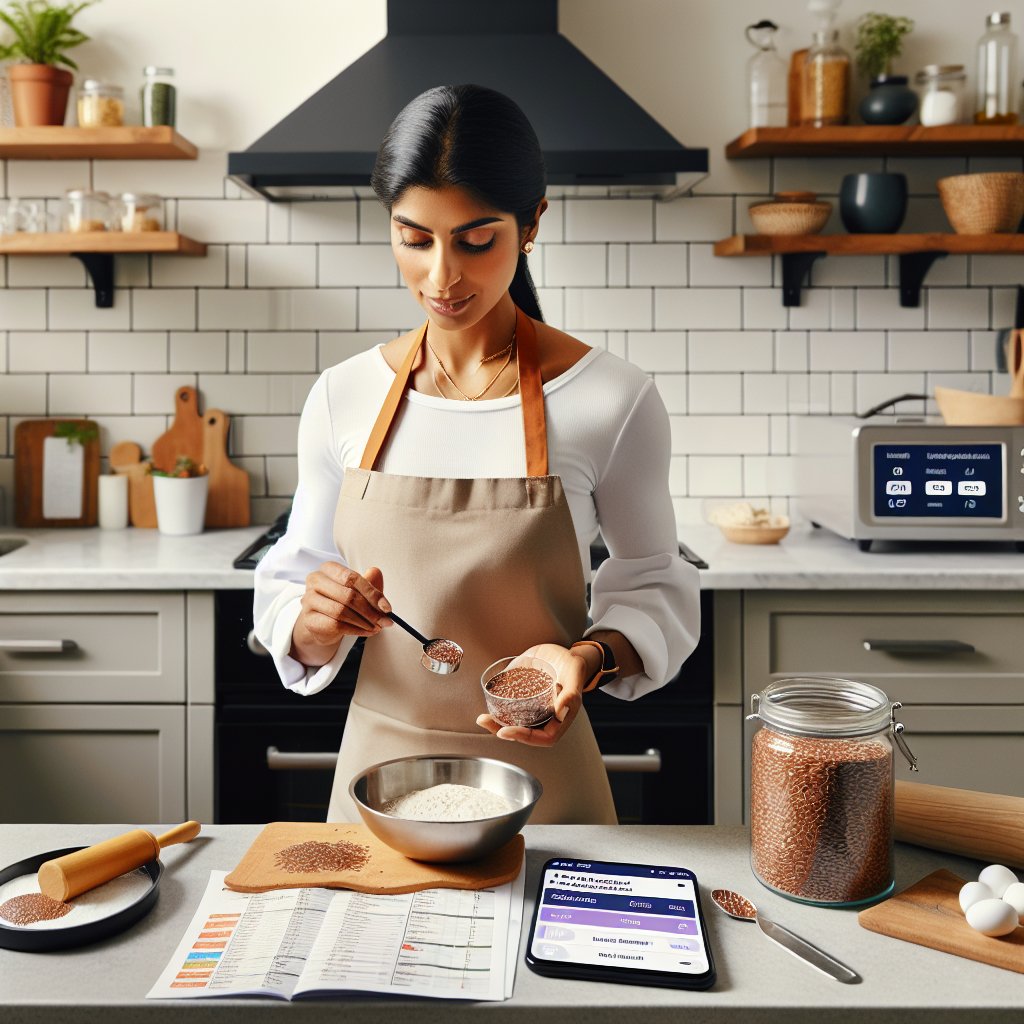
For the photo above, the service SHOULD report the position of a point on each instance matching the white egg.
(992, 917)
(974, 892)
(1015, 897)
(997, 878)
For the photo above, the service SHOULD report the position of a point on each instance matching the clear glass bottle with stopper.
(825, 89)
(766, 77)
(159, 96)
(997, 72)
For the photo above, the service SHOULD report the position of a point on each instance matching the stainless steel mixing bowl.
(444, 841)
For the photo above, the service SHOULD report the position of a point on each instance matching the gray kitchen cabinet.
(92, 762)
(952, 658)
(93, 706)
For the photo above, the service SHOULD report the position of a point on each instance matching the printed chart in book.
(288, 943)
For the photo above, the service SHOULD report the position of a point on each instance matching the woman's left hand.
(571, 677)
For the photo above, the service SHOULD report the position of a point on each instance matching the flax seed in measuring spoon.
(439, 655)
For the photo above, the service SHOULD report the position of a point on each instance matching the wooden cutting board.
(386, 871)
(227, 502)
(929, 914)
(185, 434)
(30, 471)
(126, 460)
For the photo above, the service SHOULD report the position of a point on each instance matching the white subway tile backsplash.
(779, 433)
(735, 351)
(23, 310)
(237, 394)
(1005, 269)
(1004, 307)
(238, 264)
(949, 272)
(354, 266)
(707, 269)
(127, 352)
(552, 304)
(677, 475)
(335, 222)
(153, 393)
(792, 354)
(814, 311)
(847, 350)
(821, 176)
(223, 220)
(842, 314)
(765, 392)
(80, 394)
(957, 307)
(715, 393)
(879, 308)
(848, 272)
(281, 351)
(719, 435)
(236, 352)
(44, 272)
(23, 395)
(337, 346)
(922, 175)
(209, 271)
(265, 435)
(289, 391)
(842, 397)
(607, 308)
(164, 308)
(575, 266)
(282, 474)
(609, 220)
(657, 264)
(242, 309)
(372, 221)
(279, 222)
(43, 352)
(715, 475)
(384, 309)
(198, 351)
(657, 351)
(697, 308)
(281, 266)
(672, 387)
(983, 349)
(928, 350)
(873, 388)
(618, 265)
(696, 219)
(73, 309)
(202, 178)
(143, 430)
(763, 309)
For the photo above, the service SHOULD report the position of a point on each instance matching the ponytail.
(523, 291)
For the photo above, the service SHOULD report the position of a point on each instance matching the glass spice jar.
(139, 211)
(941, 88)
(85, 210)
(100, 104)
(821, 790)
(158, 96)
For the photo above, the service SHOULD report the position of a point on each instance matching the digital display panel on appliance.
(620, 915)
(938, 480)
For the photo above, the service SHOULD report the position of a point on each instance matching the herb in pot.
(184, 468)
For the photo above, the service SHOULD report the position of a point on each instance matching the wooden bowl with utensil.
(790, 213)
(983, 204)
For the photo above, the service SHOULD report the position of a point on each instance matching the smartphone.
(638, 924)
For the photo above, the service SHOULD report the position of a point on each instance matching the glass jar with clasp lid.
(159, 96)
(821, 789)
(941, 89)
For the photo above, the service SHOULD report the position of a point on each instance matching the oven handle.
(281, 761)
(255, 646)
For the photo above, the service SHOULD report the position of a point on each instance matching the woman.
(424, 483)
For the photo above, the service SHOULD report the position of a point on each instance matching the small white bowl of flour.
(445, 808)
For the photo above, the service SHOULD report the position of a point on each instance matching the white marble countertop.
(757, 982)
(806, 559)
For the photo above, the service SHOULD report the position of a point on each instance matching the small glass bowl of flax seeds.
(519, 691)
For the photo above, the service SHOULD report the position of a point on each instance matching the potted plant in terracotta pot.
(879, 42)
(42, 34)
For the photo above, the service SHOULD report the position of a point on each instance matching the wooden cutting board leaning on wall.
(184, 437)
(56, 478)
(227, 501)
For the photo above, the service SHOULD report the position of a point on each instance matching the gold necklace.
(487, 387)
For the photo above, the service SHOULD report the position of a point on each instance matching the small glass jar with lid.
(821, 790)
(100, 104)
(85, 210)
(941, 88)
(139, 211)
(158, 96)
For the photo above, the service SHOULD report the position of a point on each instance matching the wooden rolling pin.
(986, 826)
(75, 873)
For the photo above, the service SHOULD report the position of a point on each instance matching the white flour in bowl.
(94, 905)
(448, 802)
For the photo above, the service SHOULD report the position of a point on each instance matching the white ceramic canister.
(113, 502)
(180, 503)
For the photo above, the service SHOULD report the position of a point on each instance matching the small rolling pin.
(986, 826)
(75, 873)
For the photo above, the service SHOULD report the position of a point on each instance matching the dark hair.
(477, 139)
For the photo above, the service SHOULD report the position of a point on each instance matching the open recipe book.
(290, 943)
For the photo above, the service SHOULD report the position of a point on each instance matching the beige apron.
(494, 565)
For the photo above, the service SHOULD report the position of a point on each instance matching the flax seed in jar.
(821, 790)
(519, 691)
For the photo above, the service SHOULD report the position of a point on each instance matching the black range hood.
(591, 132)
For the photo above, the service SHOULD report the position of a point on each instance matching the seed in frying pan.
(314, 857)
(32, 907)
(443, 650)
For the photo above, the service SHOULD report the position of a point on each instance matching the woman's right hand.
(338, 602)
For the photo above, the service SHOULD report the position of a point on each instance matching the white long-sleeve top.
(608, 440)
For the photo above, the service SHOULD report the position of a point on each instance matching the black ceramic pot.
(873, 204)
(890, 101)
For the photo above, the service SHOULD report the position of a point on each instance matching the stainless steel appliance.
(903, 478)
(276, 751)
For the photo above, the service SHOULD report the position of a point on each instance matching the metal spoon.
(449, 648)
(742, 909)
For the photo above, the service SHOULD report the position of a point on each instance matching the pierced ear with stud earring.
(527, 248)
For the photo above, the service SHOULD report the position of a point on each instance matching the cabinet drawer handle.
(283, 761)
(913, 647)
(38, 646)
(648, 761)
(254, 645)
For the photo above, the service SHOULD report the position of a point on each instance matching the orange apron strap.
(531, 396)
(386, 416)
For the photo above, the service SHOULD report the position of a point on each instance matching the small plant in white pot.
(180, 497)
(42, 33)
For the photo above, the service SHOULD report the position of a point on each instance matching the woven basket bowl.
(983, 204)
(789, 218)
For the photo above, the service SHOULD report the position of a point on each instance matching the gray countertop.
(806, 559)
(757, 981)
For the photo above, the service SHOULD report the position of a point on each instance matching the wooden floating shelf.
(879, 140)
(126, 142)
(916, 254)
(97, 249)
